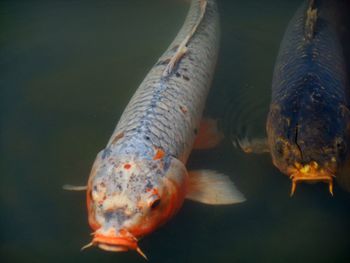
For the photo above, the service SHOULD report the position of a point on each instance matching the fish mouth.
(115, 244)
(311, 173)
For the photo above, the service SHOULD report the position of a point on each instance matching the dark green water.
(68, 69)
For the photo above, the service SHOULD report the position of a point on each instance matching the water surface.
(67, 71)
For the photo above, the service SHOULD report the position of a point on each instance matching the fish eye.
(154, 201)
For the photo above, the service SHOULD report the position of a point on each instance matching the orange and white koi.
(139, 181)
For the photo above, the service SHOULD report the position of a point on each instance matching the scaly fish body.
(166, 109)
(308, 120)
(139, 181)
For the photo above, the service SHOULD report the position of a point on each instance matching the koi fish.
(139, 180)
(308, 122)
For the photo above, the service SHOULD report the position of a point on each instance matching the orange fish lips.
(310, 173)
(116, 243)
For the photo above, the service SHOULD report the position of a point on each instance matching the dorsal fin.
(182, 49)
(310, 23)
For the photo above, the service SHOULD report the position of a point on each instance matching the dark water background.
(68, 69)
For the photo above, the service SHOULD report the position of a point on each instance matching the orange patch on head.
(155, 191)
(159, 154)
(127, 166)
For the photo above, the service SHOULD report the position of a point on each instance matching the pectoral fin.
(208, 135)
(257, 145)
(210, 187)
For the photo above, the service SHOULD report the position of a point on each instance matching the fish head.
(128, 198)
(309, 145)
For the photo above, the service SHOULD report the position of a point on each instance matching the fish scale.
(315, 58)
(155, 116)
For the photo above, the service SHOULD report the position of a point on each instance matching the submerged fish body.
(139, 181)
(308, 120)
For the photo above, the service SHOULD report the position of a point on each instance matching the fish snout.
(110, 240)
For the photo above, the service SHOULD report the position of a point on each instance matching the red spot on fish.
(159, 154)
(127, 166)
(155, 191)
